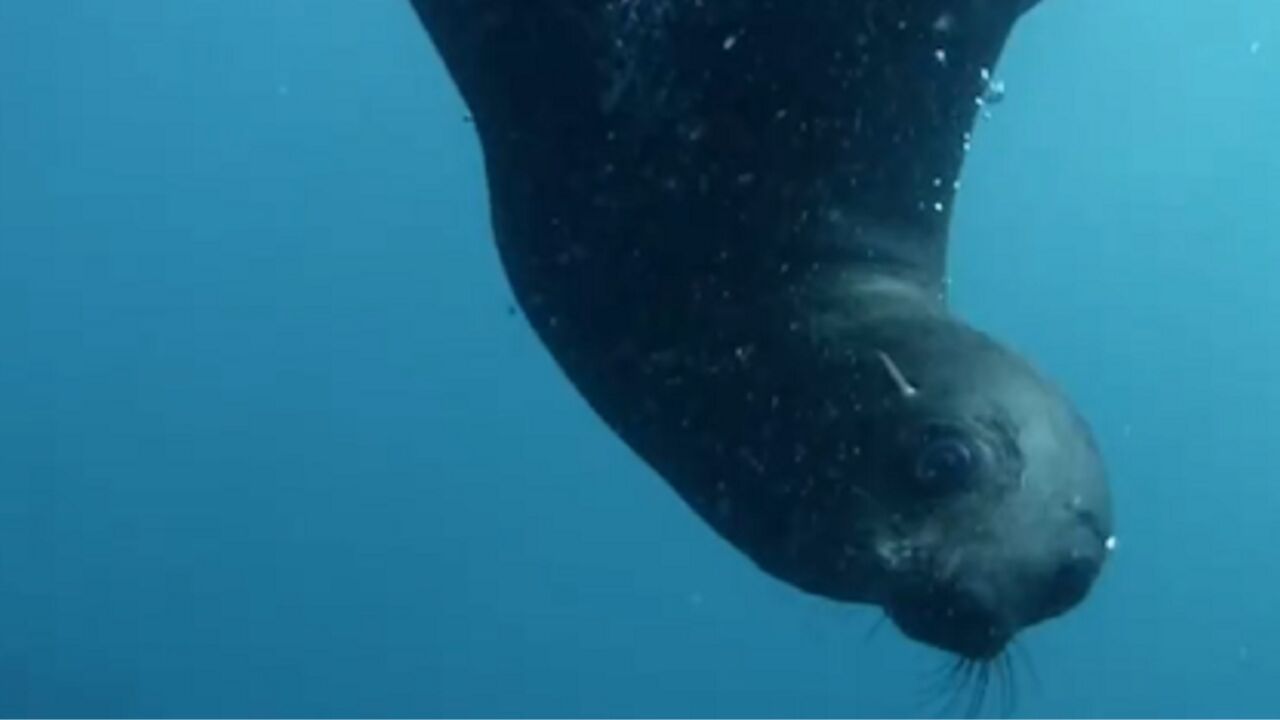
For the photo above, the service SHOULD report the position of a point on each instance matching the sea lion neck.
(869, 290)
(885, 262)
(880, 292)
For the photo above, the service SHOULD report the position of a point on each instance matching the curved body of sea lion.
(727, 220)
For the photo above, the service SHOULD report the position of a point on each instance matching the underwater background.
(272, 442)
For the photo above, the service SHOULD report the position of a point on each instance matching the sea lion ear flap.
(516, 59)
(905, 388)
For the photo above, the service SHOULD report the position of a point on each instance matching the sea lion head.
(993, 511)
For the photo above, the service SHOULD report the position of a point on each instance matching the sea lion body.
(727, 221)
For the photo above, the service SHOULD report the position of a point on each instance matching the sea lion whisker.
(874, 628)
(905, 388)
(1022, 654)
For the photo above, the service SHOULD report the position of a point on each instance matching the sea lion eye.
(947, 461)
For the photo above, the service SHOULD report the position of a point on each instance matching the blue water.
(270, 443)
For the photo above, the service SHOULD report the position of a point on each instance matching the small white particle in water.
(940, 55)
(1254, 47)
(937, 207)
(944, 23)
(1111, 543)
(730, 41)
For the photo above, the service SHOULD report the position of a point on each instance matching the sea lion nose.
(1069, 582)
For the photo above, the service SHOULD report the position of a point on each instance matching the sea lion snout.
(1069, 582)
(957, 616)
(971, 595)
(976, 618)
(1070, 572)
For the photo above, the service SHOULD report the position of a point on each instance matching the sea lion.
(727, 220)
